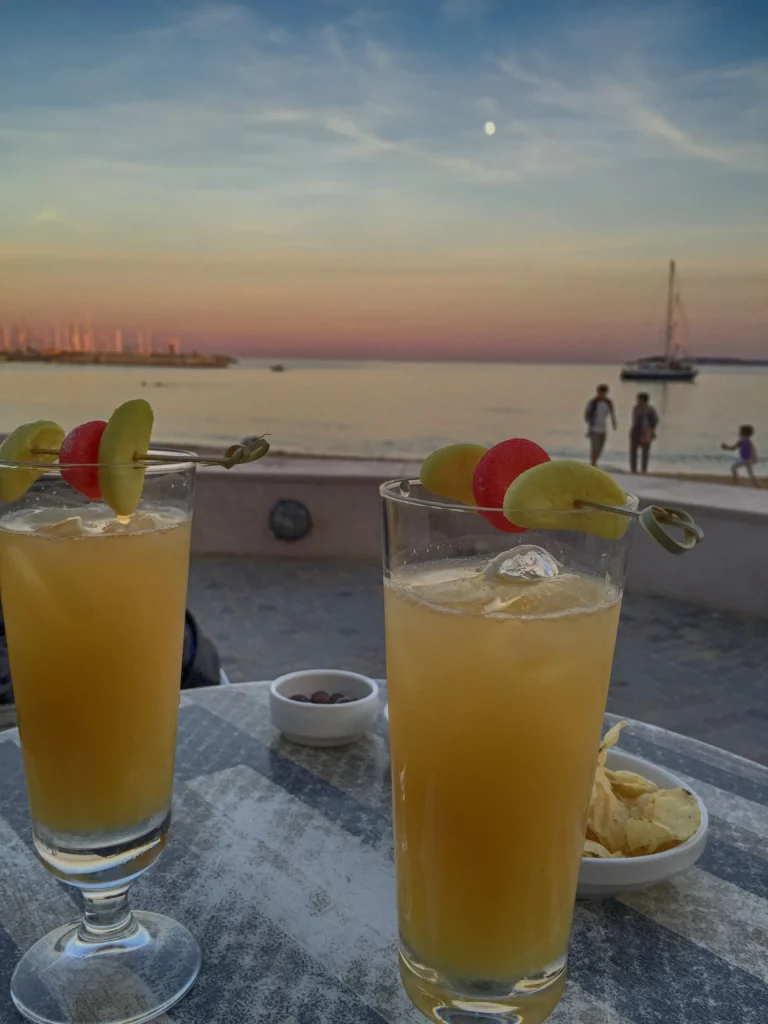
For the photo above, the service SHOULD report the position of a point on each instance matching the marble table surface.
(280, 861)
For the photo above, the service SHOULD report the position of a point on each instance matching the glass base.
(65, 979)
(527, 1001)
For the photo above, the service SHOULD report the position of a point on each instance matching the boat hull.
(637, 373)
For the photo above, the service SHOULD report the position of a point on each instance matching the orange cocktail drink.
(496, 703)
(98, 699)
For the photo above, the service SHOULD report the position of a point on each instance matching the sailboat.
(673, 365)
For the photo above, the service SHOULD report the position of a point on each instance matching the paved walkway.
(696, 672)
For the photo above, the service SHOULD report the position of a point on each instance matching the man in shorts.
(599, 410)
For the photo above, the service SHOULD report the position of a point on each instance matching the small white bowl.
(323, 725)
(600, 877)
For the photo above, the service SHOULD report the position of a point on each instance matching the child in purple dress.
(747, 454)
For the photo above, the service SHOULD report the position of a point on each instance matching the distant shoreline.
(288, 362)
(729, 361)
(295, 362)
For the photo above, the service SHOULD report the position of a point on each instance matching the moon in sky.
(489, 128)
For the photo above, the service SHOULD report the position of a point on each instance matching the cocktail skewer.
(653, 519)
(235, 455)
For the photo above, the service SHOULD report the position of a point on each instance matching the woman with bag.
(642, 433)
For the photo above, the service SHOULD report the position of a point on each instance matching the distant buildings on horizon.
(80, 336)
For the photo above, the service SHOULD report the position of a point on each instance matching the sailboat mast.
(670, 313)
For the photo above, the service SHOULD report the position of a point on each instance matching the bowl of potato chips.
(644, 824)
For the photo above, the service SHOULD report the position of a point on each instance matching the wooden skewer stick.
(233, 456)
(150, 456)
(653, 519)
(628, 512)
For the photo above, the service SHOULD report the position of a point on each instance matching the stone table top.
(280, 861)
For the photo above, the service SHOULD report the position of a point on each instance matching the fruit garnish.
(547, 496)
(448, 472)
(21, 446)
(126, 436)
(533, 492)
(80, 448)
(495, 472)
(104, 461)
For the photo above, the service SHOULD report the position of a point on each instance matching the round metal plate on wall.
(290, 520)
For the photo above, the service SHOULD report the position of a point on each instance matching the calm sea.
(398, 409)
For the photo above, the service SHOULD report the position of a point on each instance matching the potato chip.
(679, 811)
(629, 816)
(593, 849)
(610, 739)
(607, 814)
(628, 785)
(642, 836)
(643, 805)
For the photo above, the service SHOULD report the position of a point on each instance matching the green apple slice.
(19, 446)
(127, 435)
(545, 497)
(450, 470)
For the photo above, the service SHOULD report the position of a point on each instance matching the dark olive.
(336, 697)
(301, 697)
(320, 697)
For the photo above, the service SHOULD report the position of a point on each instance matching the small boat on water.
(661, 369)
(673, 365)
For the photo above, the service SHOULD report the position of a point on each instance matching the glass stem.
(106, 916)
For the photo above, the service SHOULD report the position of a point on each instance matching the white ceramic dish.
(323, 725)
(603, 877)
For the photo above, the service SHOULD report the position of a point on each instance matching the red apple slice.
(495, 472)
(80, 449)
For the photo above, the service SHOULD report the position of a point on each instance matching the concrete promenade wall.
(729, 571)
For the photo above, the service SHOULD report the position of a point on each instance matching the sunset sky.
(433, 178)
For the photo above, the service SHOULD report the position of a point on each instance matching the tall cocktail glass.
(499, 651)
(94, 613)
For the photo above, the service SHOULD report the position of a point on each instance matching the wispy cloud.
(48, 215)
(654, 124)
(465, 10)
(366, 17)
(464, 168)
(610, 104)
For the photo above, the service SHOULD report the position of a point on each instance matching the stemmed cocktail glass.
(94, 611)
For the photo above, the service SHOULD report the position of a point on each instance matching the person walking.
(599, 410)
(747, 457)
(642, 433)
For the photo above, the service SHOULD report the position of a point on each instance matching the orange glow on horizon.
(428, 304)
